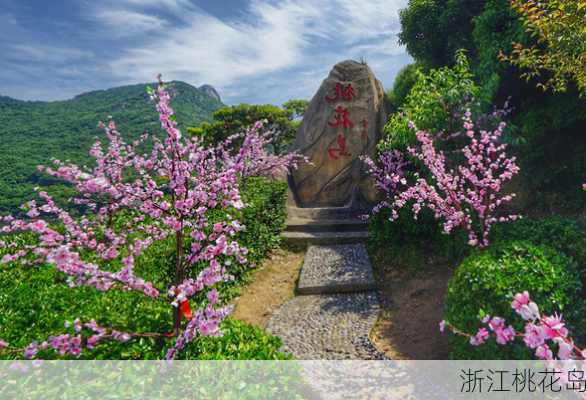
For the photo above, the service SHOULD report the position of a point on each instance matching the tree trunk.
(179, 277)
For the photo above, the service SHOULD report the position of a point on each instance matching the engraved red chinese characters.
(341, 150)
(341, 118)
(342, 93)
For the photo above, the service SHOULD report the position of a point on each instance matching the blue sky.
(252, 51)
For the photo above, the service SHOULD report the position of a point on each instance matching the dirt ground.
(412, 303)
(412, 307)
(272, 284)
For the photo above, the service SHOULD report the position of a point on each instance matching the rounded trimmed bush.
(564, 235)
(486, 282)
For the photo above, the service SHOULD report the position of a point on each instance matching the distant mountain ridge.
(211, 91)
(33, 132)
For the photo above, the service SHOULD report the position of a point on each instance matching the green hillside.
(31, 133)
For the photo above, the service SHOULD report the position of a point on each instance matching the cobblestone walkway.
(335, 310)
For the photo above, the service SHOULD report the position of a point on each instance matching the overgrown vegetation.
(548, 126)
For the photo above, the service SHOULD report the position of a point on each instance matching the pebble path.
(333, 319)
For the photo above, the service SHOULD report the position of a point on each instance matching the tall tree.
(559, 26)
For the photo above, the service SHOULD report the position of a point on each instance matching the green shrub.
(35, 300)
(410, 239)
(264, 216)
(486, 282)
(562, 234)
(241, 341)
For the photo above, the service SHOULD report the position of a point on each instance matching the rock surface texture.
(344, 121)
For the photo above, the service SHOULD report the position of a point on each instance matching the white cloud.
(128, 23)
(30, 52)
(270, 37)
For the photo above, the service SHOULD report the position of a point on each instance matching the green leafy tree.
(404, 82)
(236, 119)
(435, 103)
(559, 27)
(296, 108)
(548, 126)
(432, 30)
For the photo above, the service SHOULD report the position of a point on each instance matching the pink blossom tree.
(168, 193)
(467, 195)
(252, 158)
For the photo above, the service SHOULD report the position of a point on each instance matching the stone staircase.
(322, 226)
(336, 306)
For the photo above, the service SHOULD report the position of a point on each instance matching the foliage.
(296, 108)
(40, 294)
(433, 30)
(34, 132)
(542, 333)
(562, 234)
(409, 241)
(264, 216)
(240, 341)
(237, 119)
(487, 279)
(463, 195)
(264, 219)
(546, 127)
(154, 380)
(495, 29)
(404, 82)
(167, 193)
(558, 26)
(435, 103)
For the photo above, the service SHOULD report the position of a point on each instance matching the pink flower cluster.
(252, 158)
(466, 196)
(388, 176)
(168, 192)
(540, 332)
(72, 344)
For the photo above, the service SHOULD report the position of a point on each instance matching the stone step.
(328, 327)
(323, 238)
(326, 213)
(325, 225)
(336, 269)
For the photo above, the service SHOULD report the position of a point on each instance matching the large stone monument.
(344, 121)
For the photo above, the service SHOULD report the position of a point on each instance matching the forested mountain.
(34, 132)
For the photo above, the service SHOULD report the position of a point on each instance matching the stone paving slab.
(328, 327)
(336, 269)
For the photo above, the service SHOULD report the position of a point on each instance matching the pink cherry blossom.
(543, 352)
(480, 338)
(534, 336)
(539, 330)
(465, 196)
(170, 193)
(520, 300)
(529, 312)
